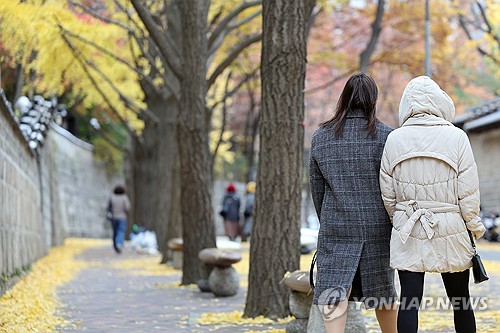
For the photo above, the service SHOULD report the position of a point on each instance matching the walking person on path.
(355, 230)
(119, 206)
(231, 212)
(430, 188)
(248, 211)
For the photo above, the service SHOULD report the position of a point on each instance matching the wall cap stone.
(64, 133)
(8, 113)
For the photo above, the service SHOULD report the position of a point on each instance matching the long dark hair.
(360, 92)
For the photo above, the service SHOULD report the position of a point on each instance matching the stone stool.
(223, 280)
(300, 300)
(175, 245)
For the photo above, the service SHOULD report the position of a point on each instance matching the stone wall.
(58, 191)
(486, 147)
(84, 186)
(22, 236)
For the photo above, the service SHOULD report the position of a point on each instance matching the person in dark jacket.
(355, 229)
(118, 207)
(231, 212)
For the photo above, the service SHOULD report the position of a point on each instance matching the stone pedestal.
(176, 246)
(224, 281)
(177, 259)
(203, 285)
(300, 304)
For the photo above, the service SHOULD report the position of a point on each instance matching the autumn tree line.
(176, 83)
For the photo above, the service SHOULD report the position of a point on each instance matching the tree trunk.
(129, 171)
(156, 182)
(145, 178)
(275, 236)
(198, 229)
(168, 217)
(251, 126)
(364, 57)
(174, 226)
(164, 156)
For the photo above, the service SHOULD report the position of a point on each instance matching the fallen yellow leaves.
(236, 318)
(32, 304)
(145, 266)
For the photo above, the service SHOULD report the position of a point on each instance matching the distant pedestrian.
(118, 207)
(248, 212)
(231, 212)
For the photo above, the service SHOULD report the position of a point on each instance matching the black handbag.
(478, 270)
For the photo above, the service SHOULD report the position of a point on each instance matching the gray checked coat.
(355, 229)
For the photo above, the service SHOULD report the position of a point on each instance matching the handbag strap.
(471, 240)
(311, 271)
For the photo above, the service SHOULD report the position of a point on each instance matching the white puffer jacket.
(429, 184)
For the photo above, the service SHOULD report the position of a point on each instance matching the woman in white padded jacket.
(429, 185)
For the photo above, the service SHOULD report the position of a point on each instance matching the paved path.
(109, 296)
(107, 299)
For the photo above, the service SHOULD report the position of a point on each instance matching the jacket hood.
(424, 96)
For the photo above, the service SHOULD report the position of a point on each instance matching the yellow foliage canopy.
(30, 32)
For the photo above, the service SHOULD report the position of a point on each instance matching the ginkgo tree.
(133, 60)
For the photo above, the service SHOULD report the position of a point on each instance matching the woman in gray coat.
(355, 230)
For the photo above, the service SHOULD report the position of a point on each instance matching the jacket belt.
(423, 211)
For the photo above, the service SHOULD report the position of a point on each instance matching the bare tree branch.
(365, 56)
(128, 102)
(233, 54)
(77, 55)
(463, 24)
(220, 40)
(110, 54)
(227, 20)
(244, 21)
(230, 93)
(214, 19)
(138, 39)
(330, 82)
(165, 45)
(313, 15)
(487, 22)
(224, 117)
(129, 17)
(98, 16)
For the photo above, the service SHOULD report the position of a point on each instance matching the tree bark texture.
(275, 236)
(143, 178)
(198, 231)
(167, 174)
(156, 172)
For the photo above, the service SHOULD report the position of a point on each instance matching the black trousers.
(457, 290)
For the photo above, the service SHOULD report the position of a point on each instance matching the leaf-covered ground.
(84, 287)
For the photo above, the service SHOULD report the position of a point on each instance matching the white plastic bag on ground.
(145, 242)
